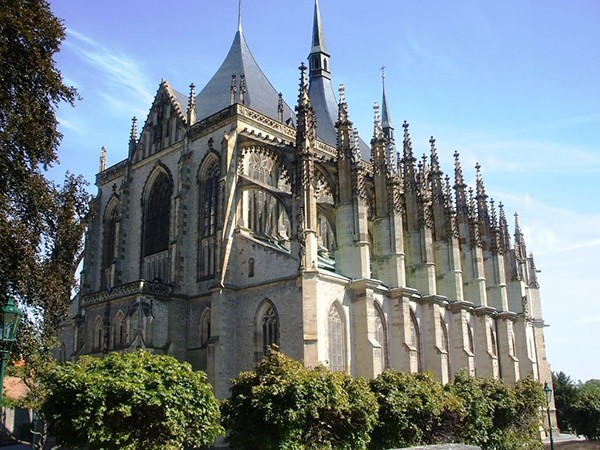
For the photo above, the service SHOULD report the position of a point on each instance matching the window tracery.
(209, 201)
(267, 328)
(415, 339)
(205, 327)
(109, 246)
(381, 337)
(337, 347)
(157, 217)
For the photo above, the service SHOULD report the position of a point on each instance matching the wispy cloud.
(434, 56)
(71, 125)
(124, 78)
(529, 156)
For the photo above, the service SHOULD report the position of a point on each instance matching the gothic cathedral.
(237, 222)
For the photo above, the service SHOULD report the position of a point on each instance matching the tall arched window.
(445, 346)
(157, 218)
(109, 246)
(415, 338)
(267, 328)
(337, 345)
(209, 197)
(325, 233)
(266, 215)
(381, 336)
(119, 331)
(98, 338)
(492, 341)
(205, 331)
(471, 342)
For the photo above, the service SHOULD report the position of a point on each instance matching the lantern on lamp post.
(548, 393)
(10, 318)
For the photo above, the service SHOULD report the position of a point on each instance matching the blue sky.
(512, 85)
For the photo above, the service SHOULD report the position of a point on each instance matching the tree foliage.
(130, 401)
(564, 394)
(584, 411)
(41, 223)
(283, 405)
(412, 409)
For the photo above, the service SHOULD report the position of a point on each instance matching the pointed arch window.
(109, 246)
(119, 331)
(415, 339)
(336, 337)
(325, 233)
(267, 328)
(157, 222)
(266, 215)
(205, 324)
(98, 342)
(492, 341)
(209, 201)
(381, 337)
(471, 341)
(157, 217)
(445, 347)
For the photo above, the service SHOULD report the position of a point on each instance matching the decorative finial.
(191, 112)
(303, 90)
(133, 135)
(240, 16)
(280, 107)
(342, 92)
(377, 130)
(479, 182)
(103, 159)
(233, 90)
(243, 89)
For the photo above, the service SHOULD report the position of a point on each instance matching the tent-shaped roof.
(260, 94)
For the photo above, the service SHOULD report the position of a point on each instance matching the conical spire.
(386, 120)
(260, 95)
(321, 90)
(318, 38)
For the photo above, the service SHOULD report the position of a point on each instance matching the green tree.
(585, 410)
(283, 405)
(413, 409)
(565, 390)
(41, 223)
(130, 401)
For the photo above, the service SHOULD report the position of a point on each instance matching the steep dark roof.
(260, 94)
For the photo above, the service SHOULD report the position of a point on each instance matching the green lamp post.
(10, 317)
(548, 393)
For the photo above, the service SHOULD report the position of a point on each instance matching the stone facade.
(229, 229)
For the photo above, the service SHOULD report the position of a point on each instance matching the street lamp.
(548, 393)
(10, 317)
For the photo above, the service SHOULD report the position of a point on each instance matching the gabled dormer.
(165, 125)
